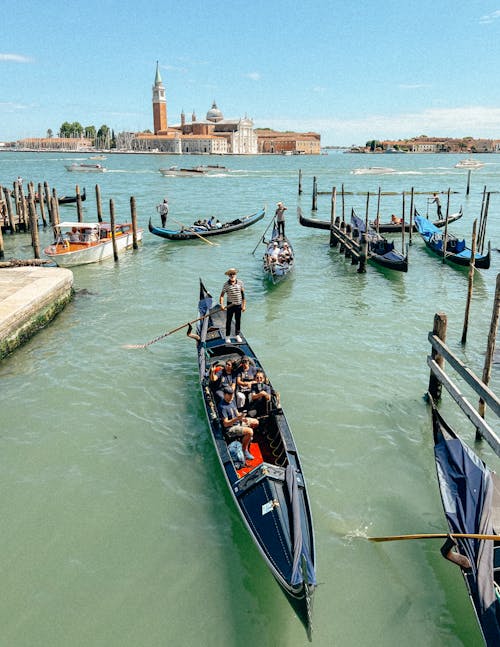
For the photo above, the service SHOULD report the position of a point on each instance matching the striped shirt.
(235, 292)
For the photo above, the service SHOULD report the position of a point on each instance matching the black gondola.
(277, 265)
(470, 494)
(457, 251)
(383, 227)
(380, 250)
(67, 199)
(269, 491)
(195, 231)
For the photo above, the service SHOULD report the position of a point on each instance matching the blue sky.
(351, 71)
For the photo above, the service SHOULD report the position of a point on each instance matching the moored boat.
(80, 243)
(269, 491)
(85, 168)
(470, 494)
(380, 250)
(67, 199)
(456, 251)
(215, 229)
(373, 170)
(278, 260)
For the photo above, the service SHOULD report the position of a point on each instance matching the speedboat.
(372, 170)
(468, 163)
(86, 168)
(175, 171)
(80, 243)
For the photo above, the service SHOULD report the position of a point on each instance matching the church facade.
(212, 135)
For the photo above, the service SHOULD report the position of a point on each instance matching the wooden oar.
(439, 535)
(205, 240)
(262, 237)
(153, 341)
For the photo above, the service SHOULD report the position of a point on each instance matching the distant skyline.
(350, 71)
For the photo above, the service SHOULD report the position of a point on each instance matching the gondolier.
(435, 199)
(163, 209)
(234, 290)
(280, 217)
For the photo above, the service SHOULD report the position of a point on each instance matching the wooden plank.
(472, 380)
(485, 430)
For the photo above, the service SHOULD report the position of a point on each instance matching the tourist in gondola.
(245, 378)
(236, 424)
(260, 394)
(280, 218)
(234, 290)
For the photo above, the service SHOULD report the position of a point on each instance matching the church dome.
(214, 114)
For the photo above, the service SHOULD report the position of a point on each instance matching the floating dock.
(30, 297)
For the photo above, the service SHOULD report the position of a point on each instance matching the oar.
(153, 341)
(262, 238)
(439, 535)
(209, 242)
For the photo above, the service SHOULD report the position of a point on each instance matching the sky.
(352, 71)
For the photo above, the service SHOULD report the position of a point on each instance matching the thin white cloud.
(489, 18)
(16, 58)
(9, 106)
(254, 76)
(319, 89)
(413, 86)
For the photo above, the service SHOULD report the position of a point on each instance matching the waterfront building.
(272, 141)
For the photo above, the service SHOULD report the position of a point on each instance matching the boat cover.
(466, 487)
(301, 555)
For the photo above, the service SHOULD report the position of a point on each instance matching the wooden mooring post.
(79, 207)
(98, 202)
(48, 202)
(470, 283)
(33, 222)
(300, 181)
(490, 349)
(10, 212)
(133, 216)
(439, 331)
(112, 225)
(41, 202)
(467, 190)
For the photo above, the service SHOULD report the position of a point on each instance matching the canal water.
(117, 529)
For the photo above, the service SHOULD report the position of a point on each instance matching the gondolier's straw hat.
(231, 270)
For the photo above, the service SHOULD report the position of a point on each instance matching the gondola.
(195, 231)
(279, 264)
(470, 494)
(383, 227)
(380, 250)
(269, 491)
(457, 251)
(67, 199)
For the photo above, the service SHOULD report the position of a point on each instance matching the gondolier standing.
(280, 218)
(234, 290)
(435, 198)
(163, 209)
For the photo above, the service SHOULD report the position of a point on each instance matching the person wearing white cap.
(280, 218)
(234, 290)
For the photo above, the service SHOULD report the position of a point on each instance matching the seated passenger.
(245, 377)
(285, 255)
(74, 235)
(260, 394)
(395, 220)
(235, 424)
(218, 224)
(273, 252)
(220, 379)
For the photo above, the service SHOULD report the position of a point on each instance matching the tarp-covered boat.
(195, 231)
(470, 494)
(456, 249)
(380, 250)
(269, 491)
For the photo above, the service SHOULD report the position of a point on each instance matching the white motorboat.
(373, 170)
(80, 243)
(86, 168)
(468, 163)
(175, 171)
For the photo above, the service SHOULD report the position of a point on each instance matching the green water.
(117, 529)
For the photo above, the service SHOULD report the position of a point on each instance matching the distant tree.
(65, 129)
(89, 132)
(103, 139)
(74, 129)
(50, 134)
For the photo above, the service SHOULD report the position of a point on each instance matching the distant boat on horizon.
(373, 170)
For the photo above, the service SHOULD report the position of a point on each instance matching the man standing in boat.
(435, 199)
(234, 290)
(163, 209)
(280, 218)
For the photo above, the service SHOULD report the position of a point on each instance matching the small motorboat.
(175, 171)
(373, 170)
(469, 163)
(85, 168)
(80, 243)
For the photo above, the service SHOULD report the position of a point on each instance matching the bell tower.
(159, 104)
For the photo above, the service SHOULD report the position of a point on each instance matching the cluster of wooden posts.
(18, 213)
(438, 377)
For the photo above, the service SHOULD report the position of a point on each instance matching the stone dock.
(30, 297)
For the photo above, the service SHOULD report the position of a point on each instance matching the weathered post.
(3, 211)
(448, 203)
(10, 212)
(133, 215)
(79, 210)
(33, 218)
(342, 243)
(315, 195)
(333, 206)
(112, 225)
(363, 255)
(46, 190)
(55, 212)
(488, 360)
(471, 282)
(467, 190)
(439, 330)
(300, 181)
(412, 210)
(98, 202)
(41, 203)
